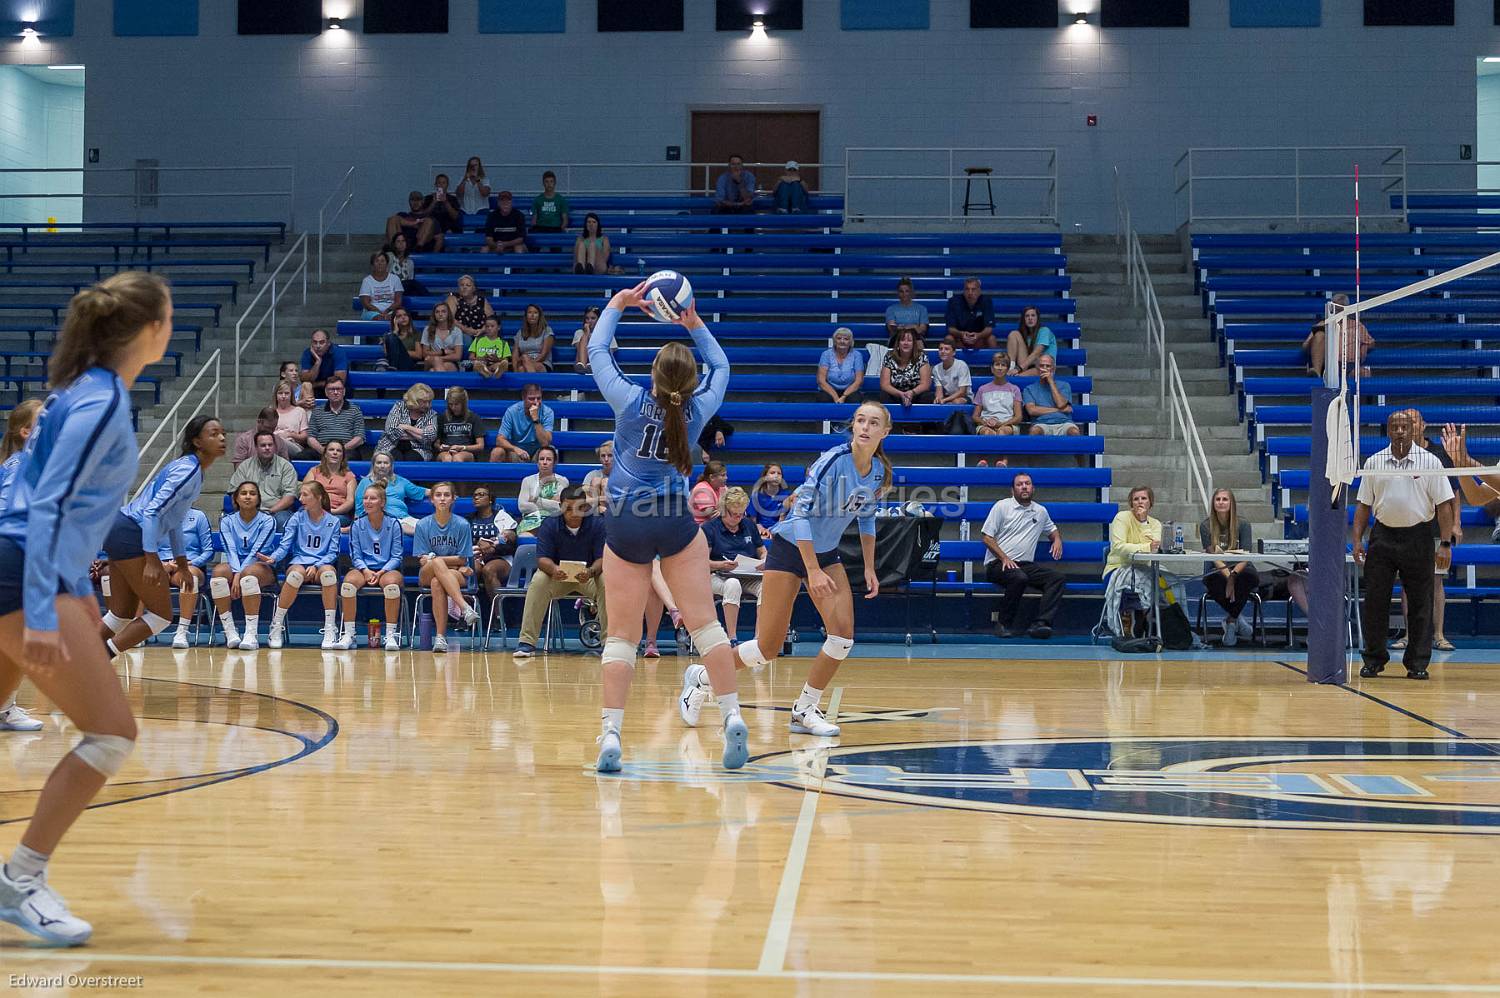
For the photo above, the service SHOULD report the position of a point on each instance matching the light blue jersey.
(73, 476)
(454, 540)
(197, 538)
(641, 467)
(376, 550)
(8, 478)
(833, 494)
(243, 541)
(307, 542)
(162, 505)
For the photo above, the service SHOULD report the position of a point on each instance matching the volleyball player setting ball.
(648, 516)
(71, 483)
(843, 485)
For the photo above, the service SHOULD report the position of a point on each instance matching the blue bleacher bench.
(501, 285)
(1312, 307)
(903, 263)
(136, 228)
(1378, 386)
(49, 330)
(1376, 415)
(13, 245)
(585, 203)
(48, 283)
(512, 307)
(100, 266)
(1384, 358)
(612, 222)
(1448, 241)
(399, 381)
(1382, 332)
(768, 241)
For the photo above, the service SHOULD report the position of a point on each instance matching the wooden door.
(761, 137)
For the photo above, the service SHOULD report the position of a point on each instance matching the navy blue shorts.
(12, 575)
(784, 556)
(642, 530)
(123, 542)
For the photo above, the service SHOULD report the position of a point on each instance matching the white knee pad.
(619, 650)
(103, 753)
(218, 587)
(837, 648)
(249, 586)
(157, 624)
(328, 577)
(750, 654)
(348, 590)
(708, 637)
(294, 579)
(392, 592)
(732, 592)
(115, 624)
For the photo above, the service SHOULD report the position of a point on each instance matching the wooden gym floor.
(370, 824)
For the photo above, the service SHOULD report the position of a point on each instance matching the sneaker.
(1246, 627)
(1231, 633)
(471, 616)
(392, 641)
(439, 643)
(812, 722)
(15, 718)
(180, 639)
(275, 639)
(609, 752)
(231, 639)
(523, 650)
(344, 643)
(651, 650)
(29, 903)
(694, 696)
(737, 741)
(330, 639)
(249, 643)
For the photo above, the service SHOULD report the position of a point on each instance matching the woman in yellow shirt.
(1133, 530)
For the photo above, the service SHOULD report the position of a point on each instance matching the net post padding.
(1327, 630)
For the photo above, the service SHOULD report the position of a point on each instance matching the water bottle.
(372, 634)
(1168, 532)
(1177, 538)
(640, 265)
(424, 632)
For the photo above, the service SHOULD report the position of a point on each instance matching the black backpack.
(1176, 635)
(1136, 646)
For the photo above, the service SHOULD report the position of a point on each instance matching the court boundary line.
(1451, 732)
(779, 929)
(586, 970)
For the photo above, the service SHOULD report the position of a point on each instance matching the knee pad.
(619, 650)
(328, 577)
(837, 648)
(249, 586)
(218, 587)
(708, 637)
(392, 592)
(157, 624)
(103, 754)
(115, 624)
(348, 590)
(294, 579)
(733, 591)
(750, 654)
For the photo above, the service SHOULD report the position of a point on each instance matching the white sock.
(614, 717)
(110, 644)
(279, 618)
(329, 627)
(8, 704)
(729, 704)
(349, 630)
(703, 682)
(252, 624)
(25, 862)
(227, 619)
(391, 631)
(809, 697)
(182, 625)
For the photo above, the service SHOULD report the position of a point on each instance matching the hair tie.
(676, 398)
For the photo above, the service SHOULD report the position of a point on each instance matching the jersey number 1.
(653, 443)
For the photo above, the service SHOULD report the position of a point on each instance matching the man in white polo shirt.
(1401, 544)
(1011, 533)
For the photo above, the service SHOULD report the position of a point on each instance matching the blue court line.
(1386, 703)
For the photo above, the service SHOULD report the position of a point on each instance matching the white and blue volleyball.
(668, 295)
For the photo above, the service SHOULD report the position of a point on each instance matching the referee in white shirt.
(1401, 543)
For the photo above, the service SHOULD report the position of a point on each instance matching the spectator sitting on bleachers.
(970, 318)
(488, 351)
(421, 231)
(442, 341)
(443, 543)
(291, 421)
(1230, 586)
(340, 420)
(302, 390)
(1482, 491)
(1133, 530)
(332, 472)
(704, 499)
(1026, 344)
(734, 191)
(398, 260)
(403, 343)
(526, 425)
(473, 192)
(951, 385)
(790, 194)
(841, 369)
(443, 208)
(716, 434)
(549, 209)
(534, 340)
(505, 227)
(591, 248)
(730, 535)
(398, 492)
(460, 433)
(768, 499)
(411, 426)
(540, 493)
(1357, 343)
(244, 442)
(380, 292)
(469, 308)
(997, 403)
(272, 474)
(1011, 533)
(596, 482)
(906, 315)
(18, 427)
(581, 340)
(1049, 403)
(494, 540)
(321, 360)
(906, 376)
(577, 535)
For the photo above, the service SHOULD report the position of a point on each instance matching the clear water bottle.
(640, 265)
(1168, 531)
(1177, 538)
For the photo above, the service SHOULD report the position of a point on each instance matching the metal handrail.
(1392, 172)
(213, 391)
(241, 343)
(1182, 421)
(323, 226)
(1047, 212)
(290, 193)
(567, 172)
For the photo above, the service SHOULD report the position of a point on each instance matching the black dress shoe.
(1040, 631)
(1417, 674)
(1371, 671)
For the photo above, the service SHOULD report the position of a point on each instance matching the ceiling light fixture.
(28, 29)
(1080, 18)
(335, 24)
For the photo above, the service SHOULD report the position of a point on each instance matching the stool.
(988, 204)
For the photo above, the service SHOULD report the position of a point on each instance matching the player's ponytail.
(105, 319)
(674, 378)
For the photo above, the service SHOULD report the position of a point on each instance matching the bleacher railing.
(277, 291)
(344, 192)
(174, 417)
(1453, 176)
(634, 179)
(1297, 183)
(941, 184)
(148, 192)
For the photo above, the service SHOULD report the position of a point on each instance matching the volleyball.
(668, 295)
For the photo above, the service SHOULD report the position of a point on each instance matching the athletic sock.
(279, 617)
(729, 704)
(25, 862)
(110, 644)
(7, 705)
(614, 717)
(227, 619)
(807, 699)
(252, 624)
(182, 625)
(349, 630)
(329, 627)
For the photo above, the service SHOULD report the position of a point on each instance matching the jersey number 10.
(653, 443)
